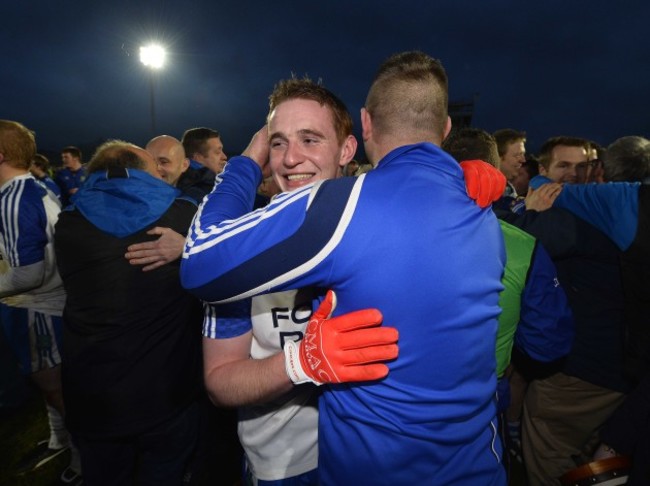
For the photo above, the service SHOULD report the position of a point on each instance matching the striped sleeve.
(231, 254)
(228, 320)
(23, 228)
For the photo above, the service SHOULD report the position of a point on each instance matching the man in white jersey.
(31, 290)
(311, 132)
(278, 424)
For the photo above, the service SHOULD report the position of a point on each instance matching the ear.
(366, 125)
(542, 170)
(348, 149)
(185, 165)
(447, 128)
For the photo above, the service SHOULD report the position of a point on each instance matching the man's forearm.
(18, 280)
(223, 237)
(248, 381)
(612, 208)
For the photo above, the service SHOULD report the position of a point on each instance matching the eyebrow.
(307, 131)
(277, 135)
(572, 163)
(303, 132)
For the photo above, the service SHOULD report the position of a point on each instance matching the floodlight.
(152, 56)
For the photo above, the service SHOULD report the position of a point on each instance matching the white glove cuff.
(292, 364)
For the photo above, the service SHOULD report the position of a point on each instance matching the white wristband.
(292, 364)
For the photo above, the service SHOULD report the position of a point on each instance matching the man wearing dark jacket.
(132, 371)
(204, 148)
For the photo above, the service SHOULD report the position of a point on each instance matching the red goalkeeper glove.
(350, 347)
(485, 183)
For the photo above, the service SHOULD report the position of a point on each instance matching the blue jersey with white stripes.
(28, 213)
(404, 238)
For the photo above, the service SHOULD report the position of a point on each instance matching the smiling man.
(309, 140)
(564, 159)
(511, 145)
(170, 158)
(310, 133)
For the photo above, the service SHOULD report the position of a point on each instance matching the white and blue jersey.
(280, 438)
(404, 238)
(28, 213)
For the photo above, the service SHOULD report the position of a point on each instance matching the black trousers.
(157, 457)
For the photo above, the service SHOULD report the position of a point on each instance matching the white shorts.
(34, 337)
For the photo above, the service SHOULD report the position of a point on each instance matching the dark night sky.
(71, 72)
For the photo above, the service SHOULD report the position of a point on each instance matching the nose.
(293, 155)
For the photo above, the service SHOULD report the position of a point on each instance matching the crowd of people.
(295, 316)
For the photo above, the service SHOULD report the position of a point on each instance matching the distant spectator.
(351, 168)
(564, 159)
(628, 160)
(40, 169)
(363, 168)
(595, 154)
(170, 158)
(72, 175)
(511, 145)
(528, 170)
(204, 149)
(265, 191)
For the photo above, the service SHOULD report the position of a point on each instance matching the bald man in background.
(170, 158)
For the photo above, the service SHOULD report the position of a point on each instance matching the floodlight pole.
(153, 105)
(153, 57)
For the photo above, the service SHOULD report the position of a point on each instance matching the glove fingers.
(484, 183)
(360, 356)
(485, 192)
(356, 320)
(472, 180)
(369, 372)
(363, 338)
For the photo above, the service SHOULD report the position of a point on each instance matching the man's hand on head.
(258, 150)
(154, 254)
